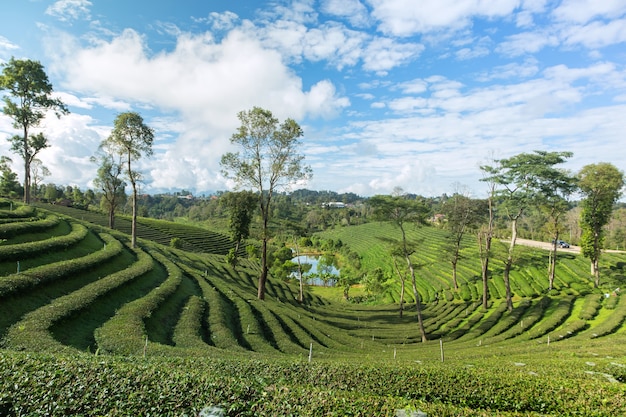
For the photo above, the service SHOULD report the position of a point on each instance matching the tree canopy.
(27, 102)
(268, 160)
(132, 139)
(601, 185)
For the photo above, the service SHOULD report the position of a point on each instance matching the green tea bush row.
(50, 272)
(32, 225)
(32, 332)
(531, 316)
(487, 323)
(614, 321)
(553, 317)
(568, 330)
(509, 319)
(610, 303)
(221, 319)
(188, 330)
(23, 250)
(454, 322)
(20, 211)
(93, 386)
(279, 335)
(466, 326)
(125, 333)
(591, 306)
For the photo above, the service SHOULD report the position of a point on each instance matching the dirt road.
(548, 246)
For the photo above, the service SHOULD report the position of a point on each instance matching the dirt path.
(548, 246)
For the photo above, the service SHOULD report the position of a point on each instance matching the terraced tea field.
(90, 326)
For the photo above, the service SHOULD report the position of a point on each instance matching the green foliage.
(241, 207)
(8, 230)
(125, 333)
(32, 332)
(176, 243)
(28, 97)
(22, 250)
(106, 386)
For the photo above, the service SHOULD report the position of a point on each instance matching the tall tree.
(485, 233)
(401, 211)
(38, 172)
(601, 184)
(555, 188)
(268, 161)
(462, 213)
(109, 181)
(521, 178)
(9, 186)
(132, 139)
(29, 98)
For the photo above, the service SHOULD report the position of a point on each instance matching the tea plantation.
(90, 326)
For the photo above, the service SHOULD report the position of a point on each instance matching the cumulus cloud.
(596, 34)
(383, 54)
(352, 10)
(404, 18)
(583, 11)
(205, 82)
(527, 43)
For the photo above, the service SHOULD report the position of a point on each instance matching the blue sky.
(390, 93)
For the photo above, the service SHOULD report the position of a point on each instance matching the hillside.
(72, 288)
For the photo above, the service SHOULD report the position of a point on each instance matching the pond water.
(317, 268)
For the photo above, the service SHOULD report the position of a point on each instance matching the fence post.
(441, 347)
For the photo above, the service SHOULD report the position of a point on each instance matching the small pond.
(319, 268)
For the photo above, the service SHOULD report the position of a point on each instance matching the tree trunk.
(595, 261)
(111, 218)
(484, 247)
(265, 209)
(508, 264)
(418, 305)
(26, 168)
(552, 266)
(133, 234)
(454, 281)
(402, 286)
(301, 293)
(485, 276)
(263, 276)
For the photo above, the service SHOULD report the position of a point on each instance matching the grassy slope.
(192, 304)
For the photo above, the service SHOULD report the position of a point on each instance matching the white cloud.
(596, 34)
(470, 53)
(405, 18)
(527, 43)
(352, 10)
(523, 70)
(222, 21)
(67, 10)
(583, 11)
(383, 54)
(6, 44)
(204, 82)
